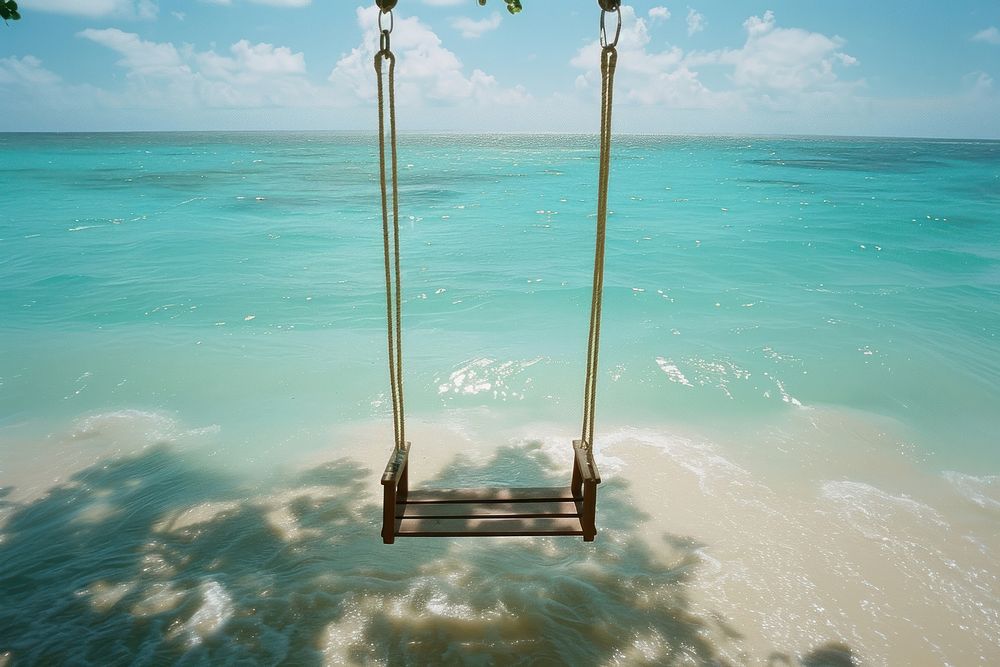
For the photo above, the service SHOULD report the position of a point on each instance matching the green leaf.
(513, 6)
(8, 10)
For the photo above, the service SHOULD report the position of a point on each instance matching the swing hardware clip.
(618, 25)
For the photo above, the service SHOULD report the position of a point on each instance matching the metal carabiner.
(385, 7)
(392, 20)
(618, 27)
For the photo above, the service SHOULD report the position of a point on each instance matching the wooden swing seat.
(490, 512)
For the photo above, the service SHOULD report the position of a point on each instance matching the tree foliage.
(8, 10)
(513, 6)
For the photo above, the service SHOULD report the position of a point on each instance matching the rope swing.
(486, 512)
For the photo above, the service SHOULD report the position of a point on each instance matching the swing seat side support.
(584, 488)
(395, 489)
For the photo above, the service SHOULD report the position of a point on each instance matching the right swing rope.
(609, 59)
(393, 286)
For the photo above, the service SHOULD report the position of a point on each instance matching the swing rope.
(392, 274)
(609, 59)
(390, 234)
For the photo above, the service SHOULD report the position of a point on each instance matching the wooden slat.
(518, 495)
(512, 510)
(486, 527)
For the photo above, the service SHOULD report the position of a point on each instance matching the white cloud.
(776, 68)
(139, 57)
(31, 93)
(979, 84)
(165, 60)
(178, 15)
(785, 59)
(170, 84)
(471, 29)
(782, 67)
(845, 59)
(283, 3)
(147, 9)
(659, 14)
(649, 77)
(161, 75)
(426, 70)
(272, 3)
(444, 3)
(27, 70)
(267, 59)
(143, 9)
(758, 25)
(696, 21)
(989, 35)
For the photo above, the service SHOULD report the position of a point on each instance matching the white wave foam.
(149, 427)
(700, 458)
(154, 425)
(874, 512)
(983, 491)
(215, 610)
(785, 396)
(673, 373)
(713, 471)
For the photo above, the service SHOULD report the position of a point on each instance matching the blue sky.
(879, 67)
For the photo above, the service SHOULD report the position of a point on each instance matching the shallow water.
(796, 420)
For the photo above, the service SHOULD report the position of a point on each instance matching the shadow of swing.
(156, 559)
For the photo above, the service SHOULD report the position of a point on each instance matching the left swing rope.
(393, 298)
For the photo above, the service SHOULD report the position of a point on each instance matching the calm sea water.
(199, 304)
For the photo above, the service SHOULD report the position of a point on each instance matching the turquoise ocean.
(798, 414)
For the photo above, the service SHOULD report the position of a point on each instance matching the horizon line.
(701, 135)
